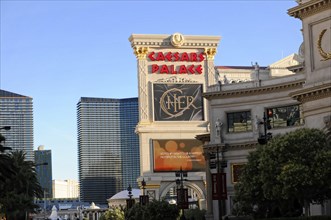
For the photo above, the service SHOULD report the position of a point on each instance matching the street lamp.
(143, 183)
(5, 128)
(3, 139)
(43, 164)
(144, 198)
(182, 194)
(263, 139)
(219, 179)
(130, 201)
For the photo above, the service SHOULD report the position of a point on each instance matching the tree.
(20, 188)
(5, 169)
(195, 214)
(288, 173)
(116, 213)
(154, 210)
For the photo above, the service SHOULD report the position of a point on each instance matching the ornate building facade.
(173, 72)
(297, 100)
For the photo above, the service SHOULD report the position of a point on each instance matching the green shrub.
(195, 214)
(154, 210)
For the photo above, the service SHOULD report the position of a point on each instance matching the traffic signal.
(268, 124)
(270, 113)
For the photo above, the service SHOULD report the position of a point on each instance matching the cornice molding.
(203, 137)
(255, 90)
(159, 40)
(213, 148)
(309, 8)
(313, 93)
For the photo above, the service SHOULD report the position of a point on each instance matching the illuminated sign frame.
(171, 155)
(178, 102)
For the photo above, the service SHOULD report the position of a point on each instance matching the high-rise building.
(65, 189)
(43, 161)
(16, 111)
(108, 148)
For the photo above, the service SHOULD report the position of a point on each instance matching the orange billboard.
(172, 155)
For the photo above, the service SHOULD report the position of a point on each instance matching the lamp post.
(263, 139)
(182, 194)
(130, 201)
(219, 179)
(143, 183)
(37, 165)
(5, 128)
(144, 198)
(2, 138)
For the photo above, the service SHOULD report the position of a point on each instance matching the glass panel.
(284, 116)
(239, 121)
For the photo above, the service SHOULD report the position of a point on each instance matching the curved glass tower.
(108, 148)
(16, 111)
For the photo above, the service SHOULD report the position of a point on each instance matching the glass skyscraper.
(44, 172)
(108, 148)
(16, 111)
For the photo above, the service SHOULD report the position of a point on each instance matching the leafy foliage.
(283, 176)
(195, 214)
(154, 210)
(116, 213)
(19, 187)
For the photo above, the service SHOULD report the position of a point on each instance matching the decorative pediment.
(291, 60)
(309, 8)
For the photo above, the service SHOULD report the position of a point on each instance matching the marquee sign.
(178, 102)
(175, 154)
(192, 57)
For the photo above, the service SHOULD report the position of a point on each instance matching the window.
(239, 121)
(284, 116)
(236, 170)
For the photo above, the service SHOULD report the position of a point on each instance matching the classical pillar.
(141, 53)
(209, 214)
(211, 77)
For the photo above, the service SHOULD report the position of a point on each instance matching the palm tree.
(20, 189)
(5, 167)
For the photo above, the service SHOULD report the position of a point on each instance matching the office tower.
(108, 148)
(43, 161)
(65, 189)
(16, 111)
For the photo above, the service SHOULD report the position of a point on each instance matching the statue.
(257, 124)
(219, 127)
(226, 81)
(256, 71)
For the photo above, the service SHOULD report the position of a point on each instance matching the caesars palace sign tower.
(173, 72)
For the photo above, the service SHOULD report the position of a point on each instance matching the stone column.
(141, 53)
(209, 214)
(211, 77)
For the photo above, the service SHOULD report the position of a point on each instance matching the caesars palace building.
(192, 112)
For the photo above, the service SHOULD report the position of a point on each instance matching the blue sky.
(58, 51)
